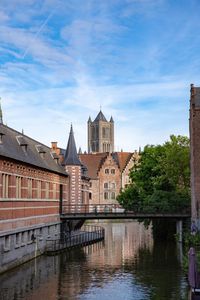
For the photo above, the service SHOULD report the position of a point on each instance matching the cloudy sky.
(61, 60)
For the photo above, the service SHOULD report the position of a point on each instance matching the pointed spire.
(71, 156)
(89, 120)
(111, 120)
(100, 117)
(1, 114)
(22, 131)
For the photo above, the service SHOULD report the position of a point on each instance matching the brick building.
(35, 188)
(109, 173)
(195, 150)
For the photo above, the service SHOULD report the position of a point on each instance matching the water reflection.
(127, 266)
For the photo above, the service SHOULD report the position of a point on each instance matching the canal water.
(129, 265)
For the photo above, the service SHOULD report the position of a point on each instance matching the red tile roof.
(93, 163)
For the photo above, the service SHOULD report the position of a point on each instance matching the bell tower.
(100, 134)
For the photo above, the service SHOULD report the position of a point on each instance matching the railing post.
(179, 230)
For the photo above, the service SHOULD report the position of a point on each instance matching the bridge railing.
(117, 208)
(92, 208)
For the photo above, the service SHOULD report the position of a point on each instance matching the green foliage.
(161, 179)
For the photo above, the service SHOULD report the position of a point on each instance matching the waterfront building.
(109, 173)
(195, 151)
(35, 189)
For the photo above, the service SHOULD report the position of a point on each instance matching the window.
(18, 186)
(54, 191)
(38, 189)
(90, 184)
(113, 185)
(47, 190)
(30, 185)
(106, 196)
(5, 183)
(106, 171)
(106, 185)
(90, 196)
(113, 195)
(112, 171)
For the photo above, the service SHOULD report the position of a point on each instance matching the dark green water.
(129, 265)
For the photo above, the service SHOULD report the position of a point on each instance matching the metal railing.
(117, 209)
(87, 235)
(92, 208)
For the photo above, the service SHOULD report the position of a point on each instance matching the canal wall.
(22, 245)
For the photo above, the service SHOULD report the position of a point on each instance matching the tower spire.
(71, 156)
(1, 114)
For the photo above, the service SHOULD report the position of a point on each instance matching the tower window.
(112, 171)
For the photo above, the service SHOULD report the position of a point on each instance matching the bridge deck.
(125, 215)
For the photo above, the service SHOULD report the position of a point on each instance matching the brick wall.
(195, 150)
(29, 195)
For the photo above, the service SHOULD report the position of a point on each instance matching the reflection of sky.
(121, 287)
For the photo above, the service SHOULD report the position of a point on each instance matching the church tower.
(100, 134)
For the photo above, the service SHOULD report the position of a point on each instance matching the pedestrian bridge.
(115, 211)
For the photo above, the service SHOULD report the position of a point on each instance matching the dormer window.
(41, 150)
(22, 142)
(55, 157)
(1, 137)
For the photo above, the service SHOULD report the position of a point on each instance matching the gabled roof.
(122, 159)
(71, 156)
(24, 149)
(93, 162)
(100, 117)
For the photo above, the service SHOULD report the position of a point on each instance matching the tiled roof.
(22, 148)
(122, 159)
(93, 162)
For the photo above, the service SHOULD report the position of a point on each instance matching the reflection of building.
(34, 190)
(123, 241)
(108, 172)
(195, 150)
(73, 274)
(100, 134)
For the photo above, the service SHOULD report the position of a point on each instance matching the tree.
(161, 179)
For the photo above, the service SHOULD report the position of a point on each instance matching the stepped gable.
(93, 162)
(122, 159)
(71, 157)
(15, 145)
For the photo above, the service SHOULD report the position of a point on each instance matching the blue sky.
(60, 60)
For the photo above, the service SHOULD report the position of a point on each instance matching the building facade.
(100, 134)
(35, 189)
(109, 173)
(195, 151)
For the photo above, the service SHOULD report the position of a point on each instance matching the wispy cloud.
(61, 60)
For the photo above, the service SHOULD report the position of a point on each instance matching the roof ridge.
(24, 135)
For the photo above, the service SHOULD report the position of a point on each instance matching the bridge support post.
(179, 230)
